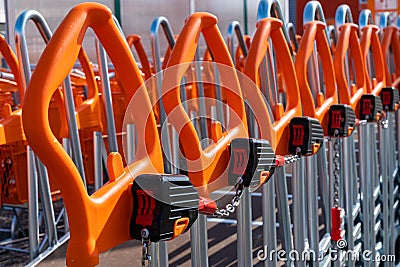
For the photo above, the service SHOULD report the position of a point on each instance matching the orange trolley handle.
(12, 62)
(277, 134)
(370, 40)
(135, 40)
(207, 165)
(348, 38)
(315, 32)
(390, 38)
(100, 221)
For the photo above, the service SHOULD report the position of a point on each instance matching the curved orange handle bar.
(89, 112)
(277, 134)
(315, 32)
(100, 221)
(12, 62)
(239, 57)
(390, 38)
(370, 40)
(348, 38)
(207, 165)
(135, 40)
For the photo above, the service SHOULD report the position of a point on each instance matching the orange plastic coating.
(348, 38)
(204, 166)
(391, 39)
(12, 62)
(370, 41)
(135, 40)
(278, 132)
(314, 32)
(100, 221)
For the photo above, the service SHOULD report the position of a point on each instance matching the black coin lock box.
(165, 205)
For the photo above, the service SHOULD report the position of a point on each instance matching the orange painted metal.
(100, 221)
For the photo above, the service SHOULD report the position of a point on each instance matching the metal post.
(244, 220)
(269, 220)
(198, 241)
(159, 253)
(312, 203)
(98, 161)
(385, 172)
(47, 203)
(374, 181)
(283, 208)
(299, 209)
(106, 96)
(392, 176)
(348, 193)
(364, 150)
(33, 209)
(324, 181)
(130, 143)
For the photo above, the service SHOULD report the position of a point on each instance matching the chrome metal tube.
(33, 207)
(199, 242)
(299, 208)
(98, 161)
(244, 231)
(269, 221)
(107, 97)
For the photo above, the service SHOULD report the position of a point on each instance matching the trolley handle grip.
(348, 39)
(315, 32)
(179, 61)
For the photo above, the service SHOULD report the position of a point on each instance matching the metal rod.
(364, 151)
(33, 207)
(159, 254)
(107, 97)
(162, 22)
(285, 229)
(299, 209)
(385, 188)
(198, 241)
(244, 219)
(130, 142)
(47, 203)
(312, 203)
(98, 161)
(269, 221)
(322, 169)
(347, 182)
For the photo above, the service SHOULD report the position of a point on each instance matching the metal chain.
(336, 171)
(384, 120)
(231, 207)
(291, 158)
(146, 258)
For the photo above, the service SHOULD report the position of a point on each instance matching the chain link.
(291, 158)
(384, 120)
(146, 258)
(336, 171)
(231, 207)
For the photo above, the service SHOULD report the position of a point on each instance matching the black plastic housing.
(389, 97)
(249, 158)
(306, 134)
(341, 119)
(158, 201)
(370, 107)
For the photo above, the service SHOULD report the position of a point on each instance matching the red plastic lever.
(207, 206)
